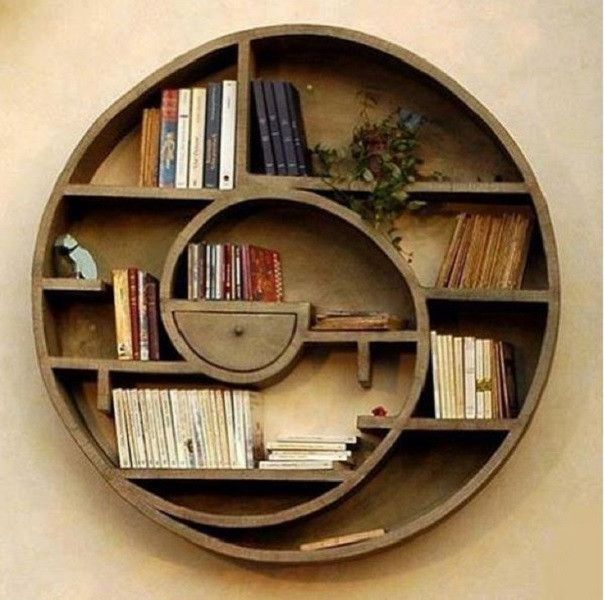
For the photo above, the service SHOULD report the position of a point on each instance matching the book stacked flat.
(233, 272)
(487, 251)
(279, 129)
(343, 320)
(319, 452)
(188, 429)
(473, 378)
(135, 299)
(190, 141)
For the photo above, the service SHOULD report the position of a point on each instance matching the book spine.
(295, 111)
(201, 270)
(154, 400)
(148, 432)
(239, 429)
(142, 166)
(291, 163)
(212, 142)
(436, 376)
(238, 274)
(230, 427)
(278, 276)
(197, 145)
(307, 446)
(447, 265)
(443, 370)
(168, 428)
(247, 273)
(134, 318)
(257, 415)
(459, 378)
(186, 428)
(167, 148)
(488, 381)
(143, 316)
(121, 307)
(121, 430)
(216, 429)
(179, 434)
(320, 465)
(263, 130)
(152, 170)
(507, 351)
(312, 439)
(470, 376)
(451, 377)
(223, 435)
(198, 461)
(273, 126)
(343, 456)
(227, 135)
(227, 271)
(479, 380)
(151, 295)
(183, 136)
(137, 426)
(208, 429)
(191, 264)
(130, 429)
(195, 271)
(233, 271)
(208, 271)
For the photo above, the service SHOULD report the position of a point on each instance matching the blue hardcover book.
(275, 130)
(262, 130)
(167, 139)
(295, 111)
(212, 153)
(285, 124)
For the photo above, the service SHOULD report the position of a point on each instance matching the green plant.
(384, 156)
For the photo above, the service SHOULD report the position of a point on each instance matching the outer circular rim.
(132, 493)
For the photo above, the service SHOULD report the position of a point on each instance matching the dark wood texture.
(410, 471)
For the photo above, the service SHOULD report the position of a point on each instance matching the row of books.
(278, 129)
(473, 378)
(135, 299)
(349, 320)
(190, 141)
(487, 251)
(188, 429)
(308, 452)
(233, 272)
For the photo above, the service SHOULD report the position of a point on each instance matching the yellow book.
(123, 328)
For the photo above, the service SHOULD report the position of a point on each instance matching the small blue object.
(410, 120)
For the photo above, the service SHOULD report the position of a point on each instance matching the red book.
(269, 287)
(226, 270)
(278, 274)
(134, 317)
(246, 270)
(152, 314)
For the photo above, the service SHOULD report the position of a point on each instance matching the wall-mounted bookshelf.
(410, 469)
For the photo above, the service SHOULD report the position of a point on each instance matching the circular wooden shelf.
(412, 470)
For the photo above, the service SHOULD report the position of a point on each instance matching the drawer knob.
(238, 330)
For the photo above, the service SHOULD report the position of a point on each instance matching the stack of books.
(487, 251)
(233, 272)
(188, 429)
(308, 452)
(473, 378)
(135, 299)
(190, 141)
(346, 320)
(278, 129)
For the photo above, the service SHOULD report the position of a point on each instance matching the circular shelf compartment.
(412, 470)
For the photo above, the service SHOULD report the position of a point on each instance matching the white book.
(137, 428)
(148, 429)
(225, 461)
(121, 432)
(459, 378)
(227, 135)
(160, 430)
(179, 435)
(194, 270)
(166, 415)
(134, 460)
(208, 273)
(186, 428)
(308, 455)
(191, 399)
(208, 430)
(198, 429)
(239, 423)
(444, 380)
(143, 317)
(308, 446)
(487, 350)
(469, 344)
(182, 138)
(326, 439)
(321, 465)
(197, 137)
(191, 280)
(479, 380)
(249, 430)
(215, 428)
(436, 376)
(230, 427)
(218, 271)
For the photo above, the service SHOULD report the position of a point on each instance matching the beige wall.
(534, 532)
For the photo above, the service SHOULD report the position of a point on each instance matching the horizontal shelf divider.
(331, 475)
(204, 195)
(71, 285)
(398, 336)
(122, 366)
(487, 295)
(369, 422)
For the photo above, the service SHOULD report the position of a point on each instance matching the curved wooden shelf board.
(73, 182)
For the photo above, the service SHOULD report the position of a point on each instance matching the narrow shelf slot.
(176, 367)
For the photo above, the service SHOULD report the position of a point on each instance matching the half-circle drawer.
(233, 341)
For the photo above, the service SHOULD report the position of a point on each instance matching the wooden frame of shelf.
(96, 196)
